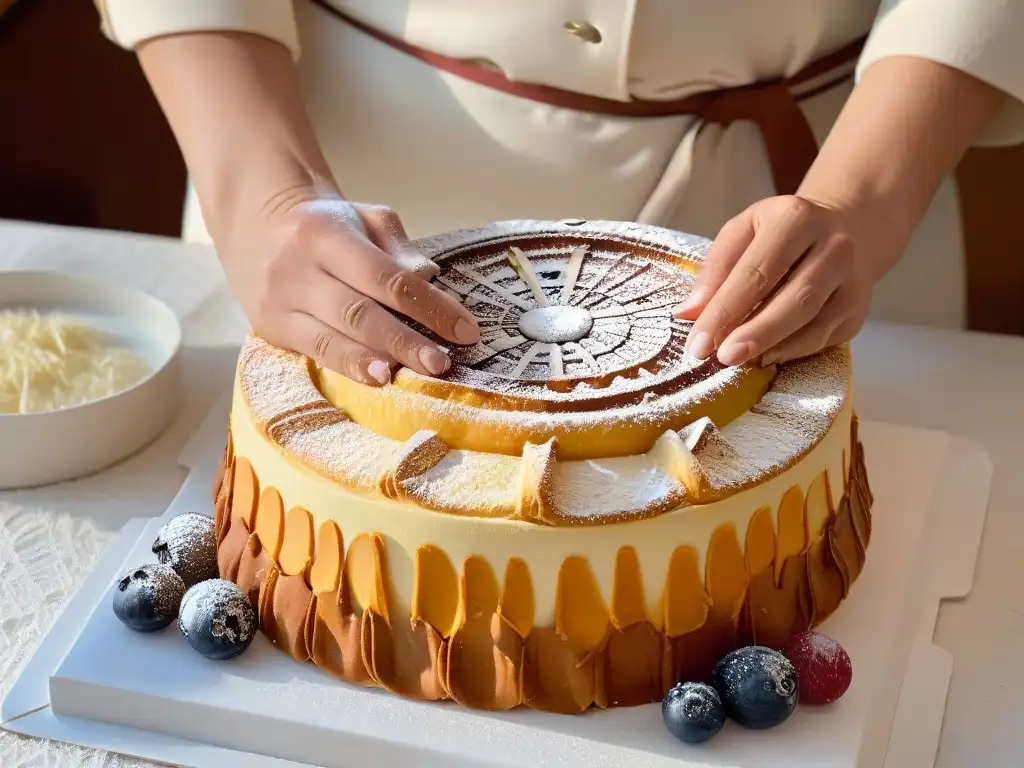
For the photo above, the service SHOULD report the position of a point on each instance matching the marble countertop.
(963, 383)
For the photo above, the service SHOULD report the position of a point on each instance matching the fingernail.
(466, 332)
(380, 371)
(696, 297)
(680, 311)
(735, 352)
(434, 360)
(700, 346)
(767, 360)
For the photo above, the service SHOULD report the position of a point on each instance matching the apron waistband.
(772, 105)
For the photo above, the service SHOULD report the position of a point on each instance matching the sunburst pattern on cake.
(567, 318)
(570, 321)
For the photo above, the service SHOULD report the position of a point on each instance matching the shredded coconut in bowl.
(52, 361)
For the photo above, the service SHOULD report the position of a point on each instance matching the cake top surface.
(580, 372)
(561, 320)
(570, 314)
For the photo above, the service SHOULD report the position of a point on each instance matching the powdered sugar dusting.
(692, 248)
(221, 606)
(798, 411)
(668, 408)
(188, 544)
(823, 648)
(556, 324)
(464, 482)
(275, 382)
(631, 486)
(628, 370)
(779, 670)
(822, 665)
(737, 669)
(345, 451)
(604, 311)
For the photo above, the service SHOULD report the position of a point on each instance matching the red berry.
(822, 667)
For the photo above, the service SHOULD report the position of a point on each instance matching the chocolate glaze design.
(491, 656)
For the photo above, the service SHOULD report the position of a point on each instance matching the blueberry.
(693, 712)
(188, 543)
(758, 686)
(147, 598)
(217, 619)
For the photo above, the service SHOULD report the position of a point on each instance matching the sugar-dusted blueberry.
(147, 598)
(758, 686)
(217, 619)
(693, 712)
(822, 666)
(188, 543)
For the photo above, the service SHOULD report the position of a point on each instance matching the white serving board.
(153, 697)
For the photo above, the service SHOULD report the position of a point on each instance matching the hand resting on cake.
(799, 261)
(793, 275)
(316, 278)
(312, 272)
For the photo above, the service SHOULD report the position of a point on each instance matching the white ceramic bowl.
(43, 448)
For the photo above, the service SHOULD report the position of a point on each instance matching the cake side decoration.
(575, 515)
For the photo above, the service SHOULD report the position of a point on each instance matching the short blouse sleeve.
(131, 22)
(984, 38)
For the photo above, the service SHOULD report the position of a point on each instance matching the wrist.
(903, 130)
(874, 218)
(256, 180)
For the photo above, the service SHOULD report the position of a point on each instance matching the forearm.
(234, 104)
(904, 129)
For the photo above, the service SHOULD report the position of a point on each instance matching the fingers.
(333, 350)
(361, 264)
(788, 233)
(833, 325)
(726, 250)
(384, 227)
(797, 302)
(359, 318)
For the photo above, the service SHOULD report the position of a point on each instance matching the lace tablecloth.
(43, 558)
(965, 384)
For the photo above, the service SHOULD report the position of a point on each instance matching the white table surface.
(968, 384)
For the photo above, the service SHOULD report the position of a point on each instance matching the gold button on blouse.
(584, 31)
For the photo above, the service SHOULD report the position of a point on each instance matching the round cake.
(577, 513)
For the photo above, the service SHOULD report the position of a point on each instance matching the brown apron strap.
(788, 138)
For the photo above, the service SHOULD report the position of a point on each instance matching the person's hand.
(316, 276)
(783, 280)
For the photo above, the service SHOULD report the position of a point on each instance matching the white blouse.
(650, 49)
(447, 153)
